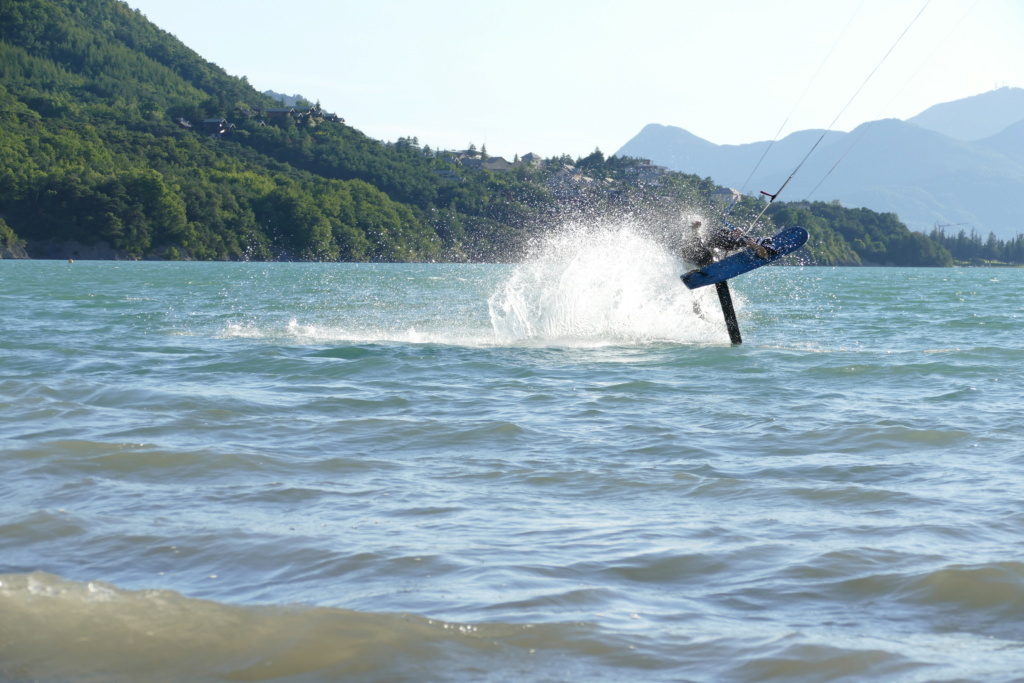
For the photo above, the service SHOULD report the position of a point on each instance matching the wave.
(52, 629)
(56, 630)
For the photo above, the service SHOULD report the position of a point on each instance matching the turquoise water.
(555, 471)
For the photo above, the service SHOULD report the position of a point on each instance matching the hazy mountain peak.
(956, 162)
(976, 117)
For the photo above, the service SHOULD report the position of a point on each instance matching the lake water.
(553, 471)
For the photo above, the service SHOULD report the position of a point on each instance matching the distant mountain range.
(958, 164)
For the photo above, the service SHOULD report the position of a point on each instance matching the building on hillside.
(496, 164)
(279, 113)
(531, 159)
(217, 127)
(646, 172)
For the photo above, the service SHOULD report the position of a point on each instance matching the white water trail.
(603, 284)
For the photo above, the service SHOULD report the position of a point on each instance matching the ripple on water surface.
(369, 471)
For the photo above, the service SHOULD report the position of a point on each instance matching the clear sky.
(569, 76)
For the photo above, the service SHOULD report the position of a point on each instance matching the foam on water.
(319, 333)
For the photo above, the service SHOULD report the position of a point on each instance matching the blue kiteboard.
(787, 241)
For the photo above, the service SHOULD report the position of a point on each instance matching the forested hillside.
(876, 239)
(114, 133)
(94, 145)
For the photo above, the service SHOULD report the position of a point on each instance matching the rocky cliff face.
(13, 252)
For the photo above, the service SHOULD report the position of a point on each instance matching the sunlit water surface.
(558, 471)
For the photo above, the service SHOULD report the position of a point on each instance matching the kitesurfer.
(725, 238)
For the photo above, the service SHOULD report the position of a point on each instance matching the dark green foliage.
(971, 249)
(91, 150)
(102, 139)
(826, 247)
(877, 238)
(593, 160)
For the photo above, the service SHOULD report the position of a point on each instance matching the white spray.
(603, 283)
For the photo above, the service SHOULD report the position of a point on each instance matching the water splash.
(603, 283)
(593, 283)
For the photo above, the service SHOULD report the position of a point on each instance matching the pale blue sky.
(566, 76)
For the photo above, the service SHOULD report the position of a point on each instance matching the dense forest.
(970, 250)
(114, 133)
